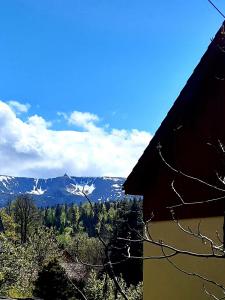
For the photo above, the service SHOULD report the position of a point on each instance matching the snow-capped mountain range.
(64, 189)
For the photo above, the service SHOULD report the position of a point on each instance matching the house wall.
(163, 281)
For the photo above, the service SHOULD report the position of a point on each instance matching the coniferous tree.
(58, 217)
(53, 283)
(127, 226)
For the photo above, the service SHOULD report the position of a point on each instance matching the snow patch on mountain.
(37, 191)
(112, 178)
(77, 189)
(116, 185)
(62, 189)
(5, 180)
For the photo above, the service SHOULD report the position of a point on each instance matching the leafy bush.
(104, 288)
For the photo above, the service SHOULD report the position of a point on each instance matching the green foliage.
(65, 239)
(44, 246)
(31, 238)
(8, 225)
(82, 218)
(87, 249)
(18, 268)
(109, 220)
(53, 284)
(104, 288)
(25, 214)
(20, 263)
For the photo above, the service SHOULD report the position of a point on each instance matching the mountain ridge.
(61, 189)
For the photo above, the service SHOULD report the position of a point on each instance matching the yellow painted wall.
(163, 282)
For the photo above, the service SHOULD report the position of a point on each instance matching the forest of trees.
(71, 251)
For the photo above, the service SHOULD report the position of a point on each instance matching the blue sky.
(122, 62)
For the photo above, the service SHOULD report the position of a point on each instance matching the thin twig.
(155, 256)
(191, 203)
(78, 260)
(110, 265)
(198, 235)
(193, 273)
(188, 176)
(212, 295)
(77, 289)
(160, 243)
(219, 11)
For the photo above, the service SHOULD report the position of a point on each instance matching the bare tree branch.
(196, 179)
(193, 273)
(212, 295)
(77, 289)
(193, 202)
(219, 11)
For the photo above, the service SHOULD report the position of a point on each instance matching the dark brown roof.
(192, 129)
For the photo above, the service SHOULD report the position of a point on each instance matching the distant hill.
(63, 189)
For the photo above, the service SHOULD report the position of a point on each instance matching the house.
(185, 163)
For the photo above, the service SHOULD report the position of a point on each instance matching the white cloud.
(31, 148)
(38, 122)
(19, 107)
(83, 119)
